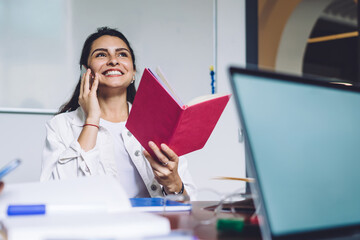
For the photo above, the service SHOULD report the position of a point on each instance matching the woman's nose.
(113, 61)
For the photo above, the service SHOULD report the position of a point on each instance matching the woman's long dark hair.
(73, 103)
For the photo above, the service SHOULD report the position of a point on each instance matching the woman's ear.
(133, 79)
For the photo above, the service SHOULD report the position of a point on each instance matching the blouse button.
(129, 134)
(137, 153)
(153, 187)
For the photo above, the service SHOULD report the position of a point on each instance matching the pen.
(42, 209)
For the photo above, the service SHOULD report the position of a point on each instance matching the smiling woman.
(88, 136)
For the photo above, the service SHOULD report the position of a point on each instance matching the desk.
(187, 221)
(178, 221)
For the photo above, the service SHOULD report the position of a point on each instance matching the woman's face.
(110, 57)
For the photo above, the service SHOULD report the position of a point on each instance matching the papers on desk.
(157, 205)
(88, 207)
(125, 225)
(100, 191)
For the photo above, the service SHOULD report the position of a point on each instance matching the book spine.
(154, 114)
(178, 131)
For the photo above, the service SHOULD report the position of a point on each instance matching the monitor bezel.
(250, 166)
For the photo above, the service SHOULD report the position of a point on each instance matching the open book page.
(204, 98)
(162, 79)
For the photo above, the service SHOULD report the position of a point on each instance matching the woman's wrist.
(91, 125)
(178, 189)
(94, 121)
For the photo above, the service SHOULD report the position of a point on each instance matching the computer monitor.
(302, 139)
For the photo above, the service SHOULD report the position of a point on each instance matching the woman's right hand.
(88, 98)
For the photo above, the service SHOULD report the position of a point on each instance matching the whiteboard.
(41, 42)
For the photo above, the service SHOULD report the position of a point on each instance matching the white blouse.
(64, 158)
(128, 175)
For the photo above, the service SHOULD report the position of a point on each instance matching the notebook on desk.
(302, 139)
(95, 207)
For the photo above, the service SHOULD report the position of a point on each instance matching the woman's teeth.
(113, 73)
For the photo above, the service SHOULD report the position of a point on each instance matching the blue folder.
(157, 205)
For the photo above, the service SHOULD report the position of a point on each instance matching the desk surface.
(189, 222)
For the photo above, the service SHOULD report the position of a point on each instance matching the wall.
(223, 154)
(273, 15)
(22, 136)
(179, 38)
(294, 39)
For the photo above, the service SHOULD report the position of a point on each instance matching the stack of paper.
(125, 225)
(89, 207)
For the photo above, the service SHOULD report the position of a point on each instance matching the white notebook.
(101, 191)
(87, 207)
(125, 225)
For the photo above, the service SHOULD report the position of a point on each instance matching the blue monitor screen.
(305, 147)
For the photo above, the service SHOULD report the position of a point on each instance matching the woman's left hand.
(165, 167)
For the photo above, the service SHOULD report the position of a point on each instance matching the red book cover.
(157, 116)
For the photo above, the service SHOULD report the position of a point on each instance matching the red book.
(156, 115)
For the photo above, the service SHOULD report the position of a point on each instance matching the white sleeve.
(186, 178)
(63, 156)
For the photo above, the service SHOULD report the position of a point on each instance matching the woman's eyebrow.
(121, 49)
(99, 49)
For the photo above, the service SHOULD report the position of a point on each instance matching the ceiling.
(341, 11)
